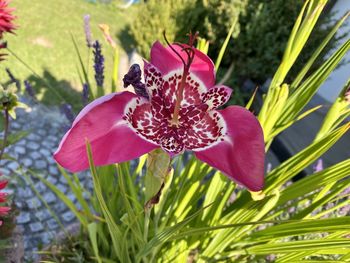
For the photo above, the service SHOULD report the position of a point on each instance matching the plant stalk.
(6, 128)
(146, 224)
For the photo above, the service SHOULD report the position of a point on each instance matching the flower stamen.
(189, 50)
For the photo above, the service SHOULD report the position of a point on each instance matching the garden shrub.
(260, 36)
(152, 19)
(264, 30)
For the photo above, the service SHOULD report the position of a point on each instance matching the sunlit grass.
(43, 40)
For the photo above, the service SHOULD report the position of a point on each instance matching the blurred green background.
(43, 39)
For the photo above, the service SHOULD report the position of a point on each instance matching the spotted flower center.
(198, 124)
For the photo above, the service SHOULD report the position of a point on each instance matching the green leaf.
(301, 96)
(92, 230)
(278, 129)
(224, 45)
(115, 70)
(304, 158)
(47, 206)
(203, 45)
(315, 181)
(305, 213)
(2, 122)
(78, 191)
(249, 212)
(219, 191)
(250, 102)
(13, 138)
(158, 165)
(321, 246)
(114, 231)
(338, 112)
(82, 66)
(300, 34)
(317, 52)
(165, 235)
(302, 227)
(64, 199)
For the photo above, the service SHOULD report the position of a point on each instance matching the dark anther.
(133, 78)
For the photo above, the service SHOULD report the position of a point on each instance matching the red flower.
(6, 25)
(6, 18)
(3, 209)
(179, 113)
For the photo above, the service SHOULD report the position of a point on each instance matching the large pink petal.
(166, 61)
(241, 154)
(102, 124)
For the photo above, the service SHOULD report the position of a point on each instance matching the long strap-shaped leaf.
(165, 235)
(317, 52)
(315, 181)
(115, 232)
(302, 227)
(301, 96)
(303, 159)
(332, 246)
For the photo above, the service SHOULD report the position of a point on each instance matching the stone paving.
(46, 126)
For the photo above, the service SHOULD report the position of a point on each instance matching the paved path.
(47, 126)
(35, 152)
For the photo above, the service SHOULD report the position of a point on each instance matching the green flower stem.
(145, 230)
(6, 129)
(146, 224)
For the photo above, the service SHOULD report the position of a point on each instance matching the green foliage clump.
(152, 19)
(259, 37)
(264, 30)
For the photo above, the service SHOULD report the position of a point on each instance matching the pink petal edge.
(101, 123)
(241, 155)
(166, 61)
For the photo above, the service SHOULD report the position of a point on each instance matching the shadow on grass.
(52, 91)
(127, 42)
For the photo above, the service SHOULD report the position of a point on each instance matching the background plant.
(47, 37)
(259, 37)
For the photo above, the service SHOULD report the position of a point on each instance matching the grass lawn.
(43, 41)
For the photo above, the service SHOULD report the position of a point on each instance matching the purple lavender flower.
(344, 210)
(291, 210)
(318, 167)
(346, 191)
(268, 167)
(87, 30)
(85, 94)
(133, 78)
(270, 258)
(66, 109)
(347, 95)
(29, 89)
(13, 79)
(329, 206)
(98, 63)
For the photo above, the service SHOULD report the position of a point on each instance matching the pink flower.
(347, 95)
(6, 24)
(3, 209)
(180, 113)
(6, 18)
(318, 167)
